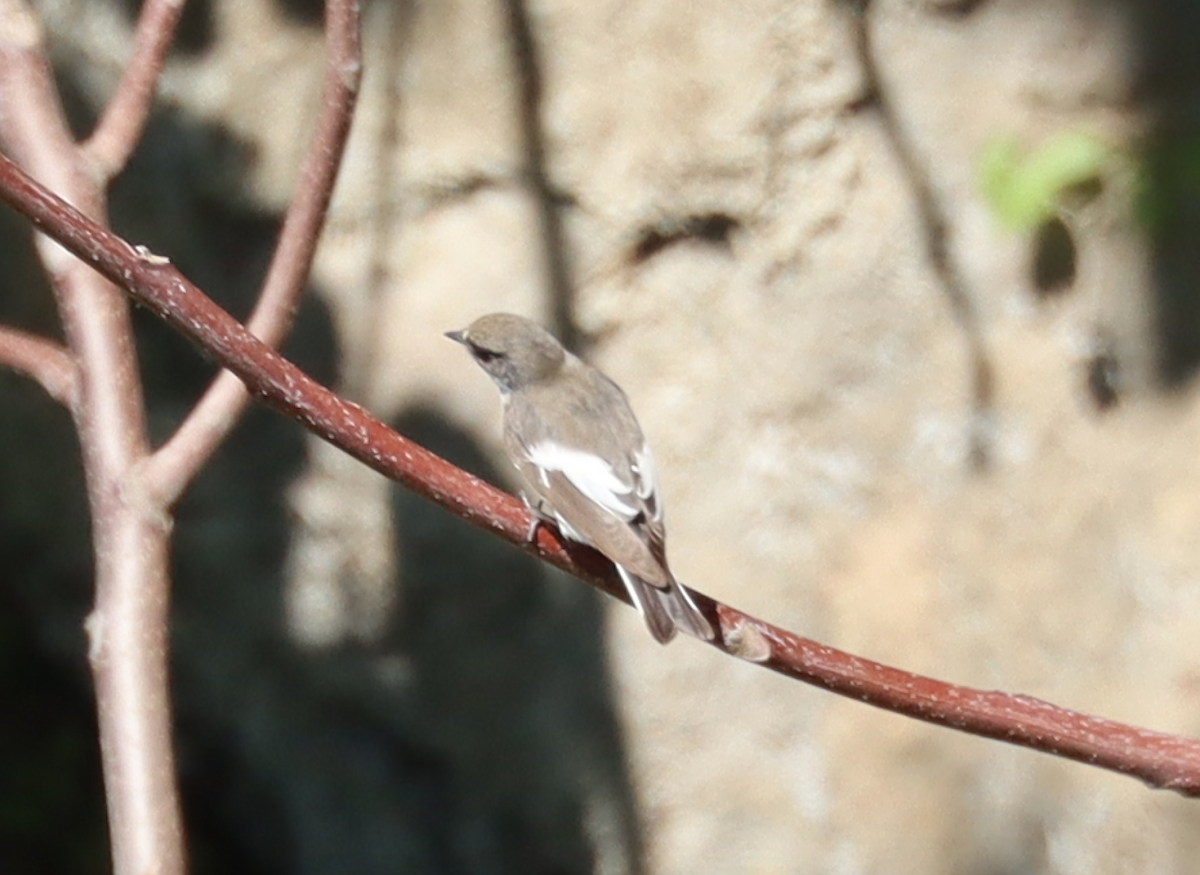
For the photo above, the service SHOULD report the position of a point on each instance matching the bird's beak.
(458, 336)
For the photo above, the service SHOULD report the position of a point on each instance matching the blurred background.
(905, 296)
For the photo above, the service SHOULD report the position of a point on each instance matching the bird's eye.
(486, 355)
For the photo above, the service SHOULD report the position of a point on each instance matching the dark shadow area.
(509, 664)
(196, 30)
(477, 735)
(51, 786)
(1166, 50)
(953, 9)
(231, 537)
(232, 532)
(715, 230)
(171, 200)
(1054, 257)
(309, 12)
(1170, 212)
(26, 301)
(237, 684)
(1102, 371)
(50, 782)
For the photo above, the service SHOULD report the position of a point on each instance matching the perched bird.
(570, 433)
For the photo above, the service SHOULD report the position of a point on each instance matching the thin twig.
(177, 461)
(128, 626)
(33, 124)
(120, 127)
(1156, 758)
(48, 363)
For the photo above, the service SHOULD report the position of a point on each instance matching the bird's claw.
(539, 518)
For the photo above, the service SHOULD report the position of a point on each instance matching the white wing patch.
(647, 481)
(647, 476)
(588, 473)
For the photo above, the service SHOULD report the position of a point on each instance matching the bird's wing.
(581, 450)
(593, 504)
(590, 474)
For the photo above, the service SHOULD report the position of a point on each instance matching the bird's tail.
(666, 609)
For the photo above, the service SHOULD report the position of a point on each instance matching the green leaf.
(1025, 191)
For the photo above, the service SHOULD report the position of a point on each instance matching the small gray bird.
(570, 433)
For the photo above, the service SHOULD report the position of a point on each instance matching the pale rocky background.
(734, 209)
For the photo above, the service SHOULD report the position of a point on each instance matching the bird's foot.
(540, 518)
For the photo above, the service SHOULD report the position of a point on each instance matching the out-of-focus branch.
(177, 462)
(128, 625)
(42, 360)
(120, 127)
(1156, 758)
(32, 123)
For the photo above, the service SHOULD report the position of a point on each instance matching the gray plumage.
(572, 436)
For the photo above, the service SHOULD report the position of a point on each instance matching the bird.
(573, 438)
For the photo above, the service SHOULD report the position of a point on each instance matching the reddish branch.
(43, 361)
(128, 625)
(1158, 759)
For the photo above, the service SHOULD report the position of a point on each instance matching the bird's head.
(514, 351)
